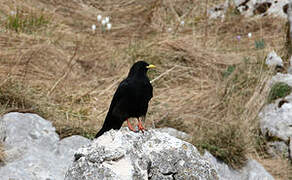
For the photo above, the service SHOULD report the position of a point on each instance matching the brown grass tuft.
(2, 154)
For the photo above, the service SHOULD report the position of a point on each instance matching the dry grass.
(68, 73)
(2, 154)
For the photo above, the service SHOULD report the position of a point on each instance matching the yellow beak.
(150, 66)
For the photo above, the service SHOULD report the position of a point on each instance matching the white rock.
(218, 11)
(252, 171)
(273, 59)
(33, 150)
(128, 155)
(277, 122)
(279, 77)
(261, 7)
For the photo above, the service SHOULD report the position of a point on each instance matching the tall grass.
(25, 22)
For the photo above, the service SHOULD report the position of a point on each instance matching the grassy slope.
(52, 63)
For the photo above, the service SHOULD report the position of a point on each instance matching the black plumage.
(130, 99)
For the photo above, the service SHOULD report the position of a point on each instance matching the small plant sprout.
(103, 22)
(93, 27)
(99, 17)
(109, 26)
(107, 19)
(182, 23)
(249, 35)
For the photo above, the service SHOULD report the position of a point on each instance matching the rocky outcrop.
(276, 8)
(218, 11)
(33, 149)
(153, 155)
(262, 7)
(276, 120)
(127, 155)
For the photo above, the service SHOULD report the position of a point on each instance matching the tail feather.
(110, 122)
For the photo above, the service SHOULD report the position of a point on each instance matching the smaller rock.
(33, 149)
(276, 122)
(274, 60)
(278, 148)
(261, 7)
(255, 171)
(279, 77)
(218, 11)
(252, 171)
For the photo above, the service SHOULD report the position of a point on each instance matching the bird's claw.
(141, 128)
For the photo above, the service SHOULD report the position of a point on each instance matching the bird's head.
(140, 68)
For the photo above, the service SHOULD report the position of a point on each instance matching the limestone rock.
(252, 171)
(218, 11)
(276, 121)
(279, 77)
(262, 7)
(127, 155)
(33, 150)
(274, 60)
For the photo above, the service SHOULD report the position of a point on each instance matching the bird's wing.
(121, 91)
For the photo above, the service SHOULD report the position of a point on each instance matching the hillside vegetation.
(208, 83)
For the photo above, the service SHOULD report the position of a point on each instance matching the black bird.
(130, 99)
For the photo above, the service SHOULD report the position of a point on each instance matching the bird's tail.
(110, 122)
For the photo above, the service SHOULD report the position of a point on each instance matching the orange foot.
(140, 126)
(130, 126)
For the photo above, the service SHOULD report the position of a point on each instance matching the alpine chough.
(130, 99)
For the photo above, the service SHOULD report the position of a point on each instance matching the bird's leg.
(140, 126)
(130, 126)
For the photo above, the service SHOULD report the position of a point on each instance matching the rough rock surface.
(218, 11)
(275, 121)
(279, 77)
(175, 133)
(127, 155)
(262, 7)
(274, 60)
(33, 150)
(278, 148)
(252, 171)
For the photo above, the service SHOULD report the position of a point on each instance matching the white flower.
(109, 26)
(249, 35)
(103, 22)
(169, 29)
(106, 19)
(12, 12)
(93, 27)
(99, 17)
(182, 23)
